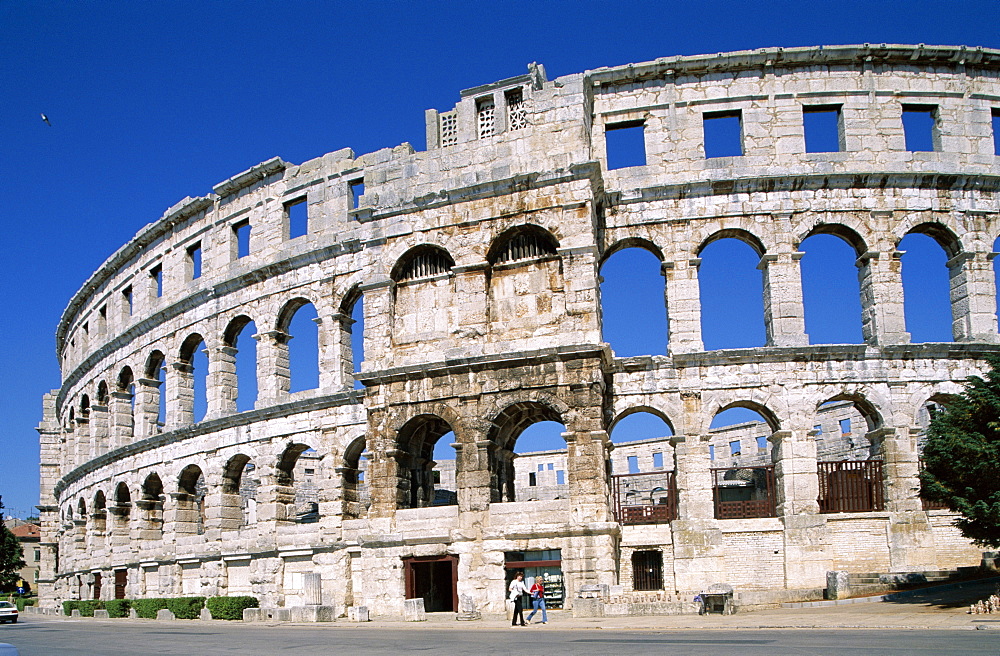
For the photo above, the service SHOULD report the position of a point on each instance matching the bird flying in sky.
(46, 119)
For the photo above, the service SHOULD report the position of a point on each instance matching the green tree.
(962, 457)
(11, 555)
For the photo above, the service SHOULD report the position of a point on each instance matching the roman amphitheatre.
(474, 267)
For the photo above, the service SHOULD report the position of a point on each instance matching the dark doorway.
(121, 580)
(435, 579)
(97, 585)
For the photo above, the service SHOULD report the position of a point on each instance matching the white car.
(8, 612)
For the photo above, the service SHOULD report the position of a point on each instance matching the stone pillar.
(472, 475)
(328, 345)
(96, 537)
(180, 395)
(881, 282)
(81, 442)
(587, 475)
(697, 539)
(273, 373)
(471, 295)
(121, 415)
(98, 430)
(223, 385)
(378, 323)
(80, 534)
(147, 407)
(911, 541)
(342, 351)
(795, 470)
(150, 519)
(973, 298)
(784, 313)
(181, 518)
(683, 306)
(120, 524)
(312, 588)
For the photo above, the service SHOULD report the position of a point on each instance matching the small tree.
(962, 457)
(11, 555)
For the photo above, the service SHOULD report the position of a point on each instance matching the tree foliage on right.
(11, 556)
(962, 457)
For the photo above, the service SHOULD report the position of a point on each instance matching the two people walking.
(518, 590)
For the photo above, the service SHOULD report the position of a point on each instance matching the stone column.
(81, 442)
(378, 323)
(471, 295)
(795, 471)
(342, 351)
(881, 282)
(98, 430)
(223, 385)
(273, 370)
(587, 475)
(784, 313)
(121, 414)
(328, 345)
(181, 518)
(683, 306)
(911, 541)
(147, 407)
(973, 298)
(312, 588)
(697, 539)
(472, 476)
(150, 519)
(180, 395)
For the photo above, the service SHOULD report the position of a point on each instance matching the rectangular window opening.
(819, 429)
(762, 443)
(194, 260)
(127, 300)
(647, 570)
(517, 116)
(996, 130)
(633, 464)
(102, 320)
(711, 452)
(550, 466)
(626, 144)
(734, 448)
(532, 480)
(723, 133)
(486, 113)
(357, 188)
(823, 128)
(156, 273)
(658, 460)
(920, 128)
(560, 477)
(541, 467)
(297, 215)
(241, 232)
(845, 426)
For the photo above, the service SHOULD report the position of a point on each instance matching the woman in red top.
(538, 599)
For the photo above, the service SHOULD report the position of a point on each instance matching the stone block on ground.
(414, 611)
(467, 609)
(165, 614)
(101, 614)
(358, 614)
(205, 614)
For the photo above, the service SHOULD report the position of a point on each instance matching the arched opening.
(155, 374)
(731, 292)
(423, 296)
(123, 411)
(121, 513)
(526, 295)
(521, 243)
(190, 501)
(926, 283)
(354, 479)
(643, 476)
(830, 289)
(299, 477)
(849, 464)
(192, 370)
(81, 524)
(83, 445)
(102, 427)
(633, 303)
(242, 348)
(151, 506)
(743, 479)
(98, 518)
(528, 458)
(422, 483)
(240, 481)
(301, 323)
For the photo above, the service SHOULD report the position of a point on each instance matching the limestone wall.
(476, 263)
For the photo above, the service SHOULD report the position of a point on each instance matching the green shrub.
(69, 606)
(147, 608)
(88, 606)
(230, 608)
(117, 607)
(21, 602)
(186, 608)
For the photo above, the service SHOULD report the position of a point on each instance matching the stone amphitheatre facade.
(477, 263)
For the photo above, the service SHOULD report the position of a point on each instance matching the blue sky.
(152, 102)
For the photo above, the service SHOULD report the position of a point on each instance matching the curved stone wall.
(477, 264)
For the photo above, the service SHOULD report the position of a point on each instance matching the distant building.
(29, 535)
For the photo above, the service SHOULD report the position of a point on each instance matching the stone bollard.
(205, 614)
(358, 614)
(165, 614)
(312, 587)
(467, 609)
(414, 611)
(101, 614)
(838, 585)
(75, 613)
(133, 614)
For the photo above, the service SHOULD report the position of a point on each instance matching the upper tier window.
(424, 263)
(525, 246)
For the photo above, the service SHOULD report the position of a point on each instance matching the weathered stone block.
(414, 611)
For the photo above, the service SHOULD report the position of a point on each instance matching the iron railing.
(646, 498)
(744, 492)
